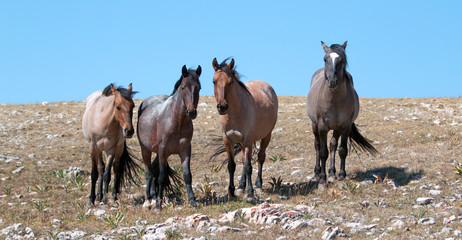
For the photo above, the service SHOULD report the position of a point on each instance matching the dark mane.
(123, 91)
(233, 73)
(192, 73)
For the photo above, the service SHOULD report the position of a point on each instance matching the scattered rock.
(426, 221)
(425, 200)
(18, 170)
(330, 233)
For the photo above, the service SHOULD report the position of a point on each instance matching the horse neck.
(238, 98)
(108, 115)
(175, 109)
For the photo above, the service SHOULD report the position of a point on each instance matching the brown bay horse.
(248, 113)
(106, 123)
(165, 127)
(333, 104)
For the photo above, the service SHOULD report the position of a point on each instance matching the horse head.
(188, 88)
(335, 64)
(124, 109)
(222, 79)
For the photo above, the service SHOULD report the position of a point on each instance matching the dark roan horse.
(165, 127)
(106, 123)
(333, 104)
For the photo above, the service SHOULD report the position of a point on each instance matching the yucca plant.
(277, 158)
(459, 168)
(276, 184)
(114, 219)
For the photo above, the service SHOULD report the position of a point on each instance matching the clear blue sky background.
(65, 50)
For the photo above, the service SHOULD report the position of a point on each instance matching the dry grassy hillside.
(419, 140)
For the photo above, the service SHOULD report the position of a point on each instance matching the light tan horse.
(106, 123)
(248, 114)
(333, 104)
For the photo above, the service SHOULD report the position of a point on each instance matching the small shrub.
(172, 234)
(420, 214)
(276, 184)
(277, 158)
(78, 181)
(40, 205)
(114, 219)
(7, 190)
(59, 174)
(459, 169)
(350, 186)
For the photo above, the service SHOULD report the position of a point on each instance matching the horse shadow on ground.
(398, 175)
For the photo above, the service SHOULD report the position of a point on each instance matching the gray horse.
(165, 127)
(333, 104)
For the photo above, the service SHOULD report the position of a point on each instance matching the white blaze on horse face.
(333, 56)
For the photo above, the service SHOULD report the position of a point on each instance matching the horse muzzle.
(128, 133)
(222, 109)
(191, 113)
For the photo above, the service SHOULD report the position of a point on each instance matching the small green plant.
(216, 168)
(82, 217)
(277, 158)
(419, 214)
(78, 181)
(114, 219)
(7, 190)
(459, 168)
(40, 205)
(139, 231)
(52, 235)
(276, 184)
(28, 189)
(307, 216)
(350, 186)
(59, 174)
(172, 234)
(40, 188)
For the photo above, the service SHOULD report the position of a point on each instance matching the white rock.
(397, 224)
(296, 172)
(424, 200)
(435, 192)
(17, 170)
(426, 221)
(450, 219)
(330, 233)
(457, 233)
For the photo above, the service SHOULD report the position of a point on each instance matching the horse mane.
(191, 72)
(233, 73)
(123, 92)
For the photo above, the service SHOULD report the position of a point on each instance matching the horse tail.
(173, 178)
(127, 171)
(222, 149)
(360, 142)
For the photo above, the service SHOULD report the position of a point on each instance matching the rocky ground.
(411, 190)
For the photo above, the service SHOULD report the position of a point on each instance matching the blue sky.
(65, 50)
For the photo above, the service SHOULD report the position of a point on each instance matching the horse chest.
(234, 136)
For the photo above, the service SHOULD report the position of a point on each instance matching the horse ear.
(184, 71)
(130, 87)
(344, 44)
(231, 64)
(199, 70)
(215, 64)
(114, 90)
(324, 46)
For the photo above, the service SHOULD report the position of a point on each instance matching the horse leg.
(101, 169)
(162, 177)
(248, 171)
(187, 177)
(107, 175)
(323, 154)
(231, 166)
(117, 175)
(94, 174)
(332, 149)
(242, 181)
(317, 148)
(343, 152)
(146, 155)
(261, 159)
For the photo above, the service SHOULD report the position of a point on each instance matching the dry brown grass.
(419, 141)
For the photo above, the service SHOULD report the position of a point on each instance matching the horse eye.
(118, 108)
(214, 82)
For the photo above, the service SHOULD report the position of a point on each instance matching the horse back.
(149, 113)
(97, 106)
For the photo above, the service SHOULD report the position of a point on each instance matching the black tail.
(361, 143)
(127, 169)
(173, 178)
(222, 149)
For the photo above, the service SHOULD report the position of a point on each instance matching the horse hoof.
(251, 199)
(341, 178)
(239, 192)
(259, 191)
(331, 179)
(147, 204)
(193, 204)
